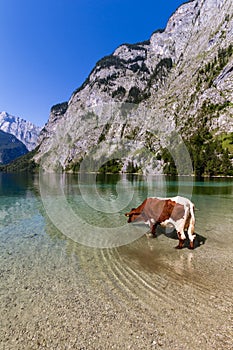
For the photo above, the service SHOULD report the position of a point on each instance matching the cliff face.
(23, 130)
(180, 82)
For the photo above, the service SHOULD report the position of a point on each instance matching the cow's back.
(160, 209)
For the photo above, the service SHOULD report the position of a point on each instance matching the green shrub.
(104, 132)
(119, 92)
(112, 166)
(208, 155)
(132, 169)
(136, 96)
(25, 163)
(212, 69)
(160, 72)
(59, 108)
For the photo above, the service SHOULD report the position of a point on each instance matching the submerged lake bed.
(74, 276)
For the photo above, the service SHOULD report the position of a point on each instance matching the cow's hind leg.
(191, 233)
(181, 236)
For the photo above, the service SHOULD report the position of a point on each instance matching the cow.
(178, 211)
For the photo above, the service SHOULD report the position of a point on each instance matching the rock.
(136, 98)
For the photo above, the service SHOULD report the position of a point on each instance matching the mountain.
(10, 148)
(152, 105)
(24, 130)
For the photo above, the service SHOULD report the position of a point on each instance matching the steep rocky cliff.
(178, 85)
(23, 130)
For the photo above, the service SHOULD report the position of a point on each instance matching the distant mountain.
(10, 148)
(24, 130)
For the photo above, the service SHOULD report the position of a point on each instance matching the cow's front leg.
(153, 227)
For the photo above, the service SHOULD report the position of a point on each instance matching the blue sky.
(48, 47)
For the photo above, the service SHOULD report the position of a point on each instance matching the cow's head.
(133, 215)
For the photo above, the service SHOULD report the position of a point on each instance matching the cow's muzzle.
(129, 217)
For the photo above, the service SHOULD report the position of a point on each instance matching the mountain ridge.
(179, 81)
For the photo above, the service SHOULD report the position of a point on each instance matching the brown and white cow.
(178, 211)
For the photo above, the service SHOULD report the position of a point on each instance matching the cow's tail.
(192, 209)
(192, 219)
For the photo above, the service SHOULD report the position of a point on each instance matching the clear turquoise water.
(97, 204)
(51, 233)
(42, 217)
(45, 216)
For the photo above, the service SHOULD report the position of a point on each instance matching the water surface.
(42, 269)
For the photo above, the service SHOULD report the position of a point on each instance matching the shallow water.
(68, 233)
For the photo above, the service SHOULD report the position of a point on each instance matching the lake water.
(68, 232)
(90, 209)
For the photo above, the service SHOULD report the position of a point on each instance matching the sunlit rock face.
(23, 130)
(137, 97)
